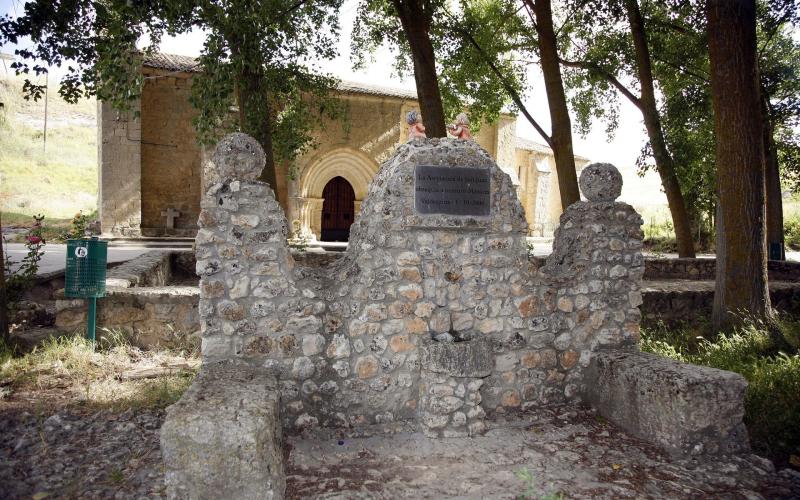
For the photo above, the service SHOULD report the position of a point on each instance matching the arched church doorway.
(338, 210)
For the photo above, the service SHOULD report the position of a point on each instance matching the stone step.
(151, 242)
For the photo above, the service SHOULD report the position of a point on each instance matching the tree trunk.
(252, 97)
(741, 284)
(416, 26)
(4, 335)
(773, 187)
(557, 102)
(255, 117)
(652, 122)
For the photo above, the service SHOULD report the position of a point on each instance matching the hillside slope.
(60, 180)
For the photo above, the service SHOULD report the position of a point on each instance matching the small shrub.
(18, 280)
(790, 331)
(681, 338)
(791, 232)
(773, 405)
(735, 351)
(662, 348)
(109, 338)
(79, 227)
(531, 490)
(180, 342)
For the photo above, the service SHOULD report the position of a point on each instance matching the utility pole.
(4, 336)
(46, 88)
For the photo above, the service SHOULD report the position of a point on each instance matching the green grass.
(659, 237)
(768, 358)
(52, 228)
(659, 233)
(57, 182)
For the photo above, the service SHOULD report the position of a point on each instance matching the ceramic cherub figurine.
(460, 129)
(416, 130)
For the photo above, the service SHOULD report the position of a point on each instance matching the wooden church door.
(338, 210)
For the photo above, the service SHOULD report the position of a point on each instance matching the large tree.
(256, 55)
(408, 27)
(680, 64)
(779, 71)
(604, 51)
(561, 125)
(741, 285)
(488, 51)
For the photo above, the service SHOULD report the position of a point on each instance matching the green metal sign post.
(85, 276)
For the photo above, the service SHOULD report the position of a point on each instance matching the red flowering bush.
(19, 280)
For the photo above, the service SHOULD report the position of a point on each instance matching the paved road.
(54, 258)
(790, 255)
(543, 249)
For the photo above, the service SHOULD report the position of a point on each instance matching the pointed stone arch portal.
(335, 171)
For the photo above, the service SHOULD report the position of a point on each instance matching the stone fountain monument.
(433, 316)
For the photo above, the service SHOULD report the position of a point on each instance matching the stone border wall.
(223, 439)
(678, 302)
(153, 268)
(705, 269)
(685, 409)
(139, 301)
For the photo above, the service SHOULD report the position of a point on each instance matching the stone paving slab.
(567, 450)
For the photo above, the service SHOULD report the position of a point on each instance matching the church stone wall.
(120, 173)
(153, 163)
(171, 167)
(375, 127)
(344, 340)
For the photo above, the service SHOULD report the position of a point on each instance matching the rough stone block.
(683, 408)
(223, 438)
(473, 358)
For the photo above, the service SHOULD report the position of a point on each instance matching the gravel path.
(69, 454)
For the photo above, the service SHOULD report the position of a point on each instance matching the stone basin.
(451, 378)
(470, 358)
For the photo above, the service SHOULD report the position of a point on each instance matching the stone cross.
(171, 214)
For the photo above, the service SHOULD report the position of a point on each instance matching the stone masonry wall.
(343, 340)
(120, 182)
(171, 173)
(139, 302)
(680, 302)
(705, 269)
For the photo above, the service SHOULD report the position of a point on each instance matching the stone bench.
(223, 439)
(683, 408)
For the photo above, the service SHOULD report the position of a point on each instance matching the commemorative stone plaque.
(452, 190)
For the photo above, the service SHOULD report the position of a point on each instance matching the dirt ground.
(563, 452)
(51, 448)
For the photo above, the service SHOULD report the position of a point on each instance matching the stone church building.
(151, 172)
